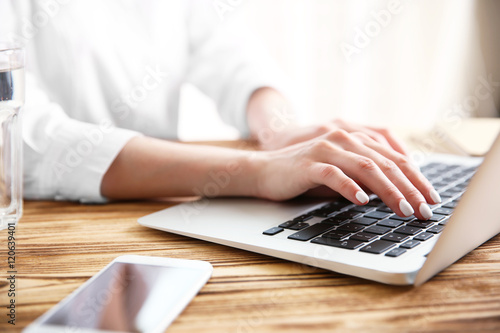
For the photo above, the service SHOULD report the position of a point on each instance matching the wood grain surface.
(60, 245)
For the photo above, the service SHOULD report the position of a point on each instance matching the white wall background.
(421, 61)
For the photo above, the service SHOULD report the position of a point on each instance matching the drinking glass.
(11, 102)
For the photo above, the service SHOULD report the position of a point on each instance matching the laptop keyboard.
(374, 228)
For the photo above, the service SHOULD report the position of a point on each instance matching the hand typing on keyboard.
(349, 160)
(373, 228)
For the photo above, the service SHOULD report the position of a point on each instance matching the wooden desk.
(60, 245)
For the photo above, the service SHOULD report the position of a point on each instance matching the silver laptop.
(364, 241)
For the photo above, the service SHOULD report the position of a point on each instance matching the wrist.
(257, 174)
(242, 174)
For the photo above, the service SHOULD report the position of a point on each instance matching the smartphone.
(131, 294)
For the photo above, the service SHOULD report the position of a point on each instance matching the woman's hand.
(273, 123)
(337, 162)
(296, 134)
(347, 163)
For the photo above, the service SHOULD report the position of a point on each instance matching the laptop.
(368, 241)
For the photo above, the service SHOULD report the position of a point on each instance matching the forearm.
(335, 163)
(148, 168)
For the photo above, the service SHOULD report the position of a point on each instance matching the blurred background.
(376, 62)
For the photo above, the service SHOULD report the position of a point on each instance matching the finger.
(367, 171)
(396, 143)
(362, 168)
(334, 178)
(371, 132)
(375, 136)
(393, 172)
(410, 171)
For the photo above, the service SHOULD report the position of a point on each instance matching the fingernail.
(362, 197)
(405, 208)
(435, 196)
(425, 210)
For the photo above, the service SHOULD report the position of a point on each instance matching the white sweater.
(101, 72)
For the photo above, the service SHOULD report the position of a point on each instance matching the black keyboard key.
(423, 236)
(395, 252)
(312, 231)
(384, 209)
(436, 229)
(453, 167)
(434, 206)
(330, 208)
(390, 223)
(378, 247)
(363, 236)
(437, 217)
(375, 202)
(334, 221)
(378, 215)
(432, 178)
(337, 205)
(363, 209)
(420, 224)
(287, 224)
(410, 244)
(351, 227)
(321, 213)
(377, 230)
(443, 222)
(449, 179)
(406, 230)
(273, 231)
(439, 185)
(398, 238)
(455, 189)
(337, 234)
(348, 215)
(303, 218)
(443, 211)
(451, 204)
(364, 221)
(299, 225)
(429, 166)
(344, 244)
(446, 196)
(404, 219)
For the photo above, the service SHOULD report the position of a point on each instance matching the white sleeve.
(228, 65)
(65, 159)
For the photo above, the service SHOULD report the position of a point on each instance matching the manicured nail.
(425, 210)
(435, 196)
(362, 197)
(405, 208)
